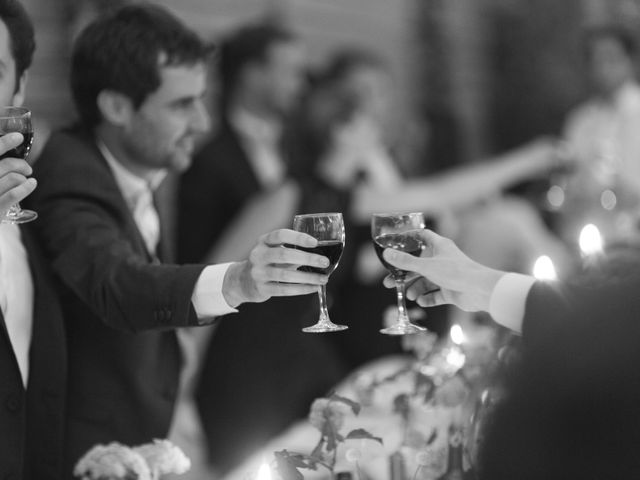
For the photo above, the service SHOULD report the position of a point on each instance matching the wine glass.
(17, 119)
(328, 229)
(399, 231)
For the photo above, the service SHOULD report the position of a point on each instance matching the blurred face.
(610, 66)
(162, 132)
(8, 93)
(282, 76)
(373, 89)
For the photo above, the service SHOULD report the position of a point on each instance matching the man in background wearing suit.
(32, 343)
(239, 186)
(138, 77)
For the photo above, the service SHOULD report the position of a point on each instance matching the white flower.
(112, 461)
(164, 457)
(324, 409)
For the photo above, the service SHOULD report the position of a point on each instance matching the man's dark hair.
(618, 33)
(248, 44)
(123, 51)
(21, 35)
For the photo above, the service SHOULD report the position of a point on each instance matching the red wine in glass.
(332, 249)
(399, 231)
(17, 119)
(328, 229)
(404, 242)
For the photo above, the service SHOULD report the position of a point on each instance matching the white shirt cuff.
(207, 299)
(508, 300)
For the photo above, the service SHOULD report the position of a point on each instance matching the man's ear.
(18, 96)
(115, 107)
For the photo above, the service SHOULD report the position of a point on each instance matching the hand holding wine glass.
(328, 229)
(15, 184)
(399, 231)
(14, 172)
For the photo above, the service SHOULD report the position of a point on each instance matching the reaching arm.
(459, 187)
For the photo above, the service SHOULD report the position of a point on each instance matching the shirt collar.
(131, 185)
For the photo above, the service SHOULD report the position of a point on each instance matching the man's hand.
(444, 275)
(14, 172)
(271, 270)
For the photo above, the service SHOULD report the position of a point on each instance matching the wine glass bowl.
(400, 231)
(17, 119)
(328, 229)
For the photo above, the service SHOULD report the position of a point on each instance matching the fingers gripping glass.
(17, 119)
(328, 229)
(399, 231)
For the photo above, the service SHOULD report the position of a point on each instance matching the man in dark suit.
(32, 343)
(138, 77)
(239, 181)
(571, 409)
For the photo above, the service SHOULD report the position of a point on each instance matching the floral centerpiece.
(120, 462)
(328, 416)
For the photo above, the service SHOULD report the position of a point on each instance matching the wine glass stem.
(403, 318)
(322, 296)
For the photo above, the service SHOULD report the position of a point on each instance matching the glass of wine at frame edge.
(17, 119)
(328, 229)
(399, 231)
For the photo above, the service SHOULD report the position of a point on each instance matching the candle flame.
(544, 269)
(457, 335)
(264, 472)
(590, 240)
(456, 358)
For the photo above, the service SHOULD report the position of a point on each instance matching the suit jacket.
(32, 421)
(572, 406)
(260, 359)
(120, 305)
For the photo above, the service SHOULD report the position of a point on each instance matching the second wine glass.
(328, 229)
(399, 231)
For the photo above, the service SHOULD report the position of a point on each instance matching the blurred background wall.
(477, 76)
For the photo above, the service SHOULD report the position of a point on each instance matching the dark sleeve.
(87, 237)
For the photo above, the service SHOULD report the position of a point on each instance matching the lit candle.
(544, 269)
(590, 242)
(455, 356)
(264, 472)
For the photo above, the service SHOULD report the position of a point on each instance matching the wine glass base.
(22, 216)
(402, 329)
(324, 327)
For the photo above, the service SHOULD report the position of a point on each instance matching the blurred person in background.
(344, 156)
(239, 187)
(602, 134)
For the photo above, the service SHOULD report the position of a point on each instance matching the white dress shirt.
(261, 139)
(207, 299)
(16, 294)
(509, 298)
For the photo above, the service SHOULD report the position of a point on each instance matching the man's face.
(162, 132)
(610, 65)
(8, 93)
(282, 76)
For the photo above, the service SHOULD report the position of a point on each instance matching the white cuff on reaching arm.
(509, 298)
(207, 299)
